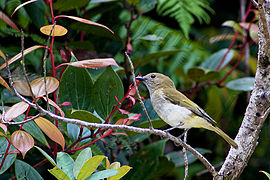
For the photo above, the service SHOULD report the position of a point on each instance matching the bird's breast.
(172, 114)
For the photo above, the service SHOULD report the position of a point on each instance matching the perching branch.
(157, 132)
(185, 156)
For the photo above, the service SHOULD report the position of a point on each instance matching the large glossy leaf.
(51, 131)
(23, 170)
(58, 173)
(76, 87)
(200, 74)
(65, 163)
(18, 56)
(66, 5)
(81, 159)
(90, 166)
(22, 141)
(145, 161)
(83, 115)
(38, 86)
(213, 61)
(241, 84)
(106, 88)
(10, 157)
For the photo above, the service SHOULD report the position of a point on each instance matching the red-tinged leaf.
(85, 21)
(7, 20)
(249, 26)
(93, 63)
(65, 103)
(4, 83)
(15, 151)
(15, 110)
(18, 56)
(123, 111)
(57, 30)
(51, 131)
(132, 91)
(51, 102)
(116, 134)
(2, 55)
(38, 86)
(23, 4)
(4, 127)
(22, 141)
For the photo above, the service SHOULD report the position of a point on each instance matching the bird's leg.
(186, 130)
(180, 124)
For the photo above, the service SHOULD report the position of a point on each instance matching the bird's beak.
(140, 78)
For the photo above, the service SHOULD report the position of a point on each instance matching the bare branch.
(22, 122)
(185, 156)
(137, 91)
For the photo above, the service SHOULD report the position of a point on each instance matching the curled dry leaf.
(37, 85)
(22, 141)
(15, 110)
(85, 21)
(93, 63)
(51, 102)
(57, 30)
(18, 56)
(51, 131)
(21, 5)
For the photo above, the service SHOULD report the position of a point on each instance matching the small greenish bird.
(176, 109)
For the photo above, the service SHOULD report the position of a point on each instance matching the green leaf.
(83, 115)
(166, 166)
(106, 88)
(65, 163)
(32, 128)
(76, 87)
(146, 5)
(212, 61)
(90, 166)
(242, 84)
(66, 5)
(58, 173)
(46, 155)
(10, 157)
(178, 158)
(81, 159)
(200, 74)
(103, 174)
(145, 161)
(25, 171)
(266, 173)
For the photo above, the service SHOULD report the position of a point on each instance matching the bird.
(176, 109)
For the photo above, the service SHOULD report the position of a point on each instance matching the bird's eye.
(153, 76)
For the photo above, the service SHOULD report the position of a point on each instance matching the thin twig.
(23, 67)
(3, 112)
(137, 91)
(113, 126)
(22, 122)
(185, 156)
(254, 3)
(44, 66)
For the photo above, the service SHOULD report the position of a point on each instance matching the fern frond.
(184, 12)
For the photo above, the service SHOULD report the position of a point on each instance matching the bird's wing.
(178, 98)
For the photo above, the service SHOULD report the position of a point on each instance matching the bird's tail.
(225, 136)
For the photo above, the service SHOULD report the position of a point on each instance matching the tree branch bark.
(258, 107)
